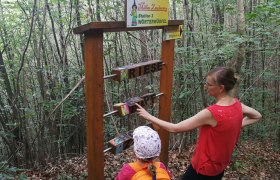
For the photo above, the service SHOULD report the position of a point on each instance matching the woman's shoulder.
(229, 103)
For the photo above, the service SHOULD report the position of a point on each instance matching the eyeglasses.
(208, 84)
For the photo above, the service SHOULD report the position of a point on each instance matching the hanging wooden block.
(122, 109)
(122, 142)
(135, 70)
(129, 107)
(131, 104)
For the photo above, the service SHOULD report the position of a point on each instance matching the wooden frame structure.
(93, 53)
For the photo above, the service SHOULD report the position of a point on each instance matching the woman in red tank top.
(219, 125)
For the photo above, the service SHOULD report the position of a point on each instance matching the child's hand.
(143, 113)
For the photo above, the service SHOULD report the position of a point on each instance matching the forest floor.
(251, 160)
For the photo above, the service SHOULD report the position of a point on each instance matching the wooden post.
(166, 77)
(94, 103)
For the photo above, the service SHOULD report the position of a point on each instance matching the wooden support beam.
(166, 79)
(94, 103)
(117, 26)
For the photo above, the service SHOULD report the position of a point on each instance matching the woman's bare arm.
(204, 117)
(251, 116)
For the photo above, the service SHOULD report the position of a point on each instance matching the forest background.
(42, 94)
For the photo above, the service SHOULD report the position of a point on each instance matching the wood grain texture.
(116, 26)
(94, 104)
(166, 79)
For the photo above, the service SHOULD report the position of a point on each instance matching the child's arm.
(125, 173)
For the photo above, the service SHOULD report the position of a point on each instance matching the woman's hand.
(158, 122)
(143, 113)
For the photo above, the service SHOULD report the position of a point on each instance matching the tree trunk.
(218, 21)
(10, 143)
(98, 11)
(174, 9)
(241, 48)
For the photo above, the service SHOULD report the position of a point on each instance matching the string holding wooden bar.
(132, 71)
(129, 107)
